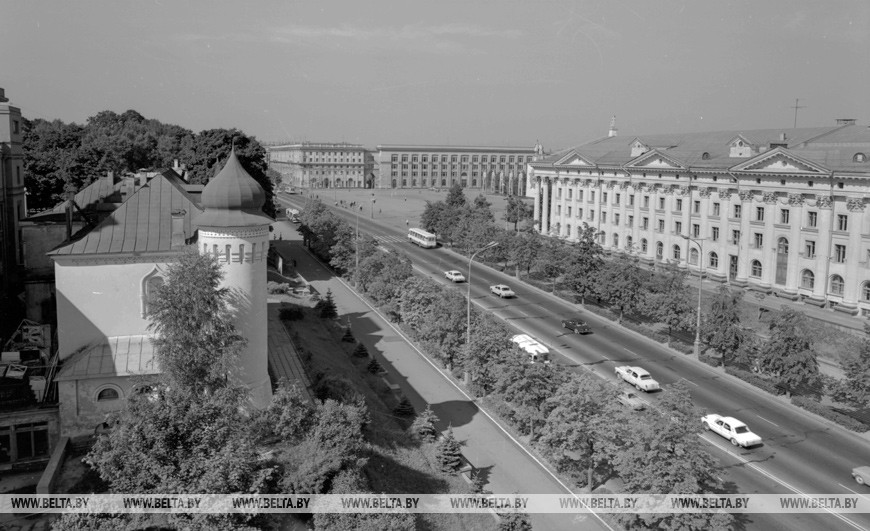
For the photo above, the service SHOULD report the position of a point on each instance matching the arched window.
(693, 257)
(615, 240)
(859, 157)
(677, 252)
(705, 156)
(628, 242)
(808, 279)
(865, 292)
(643, 245)
(837, 285)
(782, 246)
(660, 250)
(714, 261)
(151, 284)
(756, 269)
(108, 394)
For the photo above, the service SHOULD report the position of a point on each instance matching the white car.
(454, 276)
(502, 291)
(732, 429)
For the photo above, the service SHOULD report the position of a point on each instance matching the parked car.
(629, 399)
(732, 429)
(578, 326)
(454, 276)
(639, 378)
(502, 291)
(861, 474)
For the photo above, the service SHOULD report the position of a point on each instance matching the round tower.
(234, 228)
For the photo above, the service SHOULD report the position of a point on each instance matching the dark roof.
(233, 198)
(103, 190)
(141, 224)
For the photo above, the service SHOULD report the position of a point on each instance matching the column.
(703, 221)
(823, 248)
(537, 212)
(853, 256)
(768, 253)
(686, 196)
(545, 207)
(745, 238)
(795, 217)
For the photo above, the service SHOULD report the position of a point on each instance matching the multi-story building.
(13, 207)
(773, 210)
(322, 165)
(494, 169)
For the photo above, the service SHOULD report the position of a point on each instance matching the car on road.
(502, 291)
(629, 399)
(861, 474)
(732, 429)
(639, 378)
(454, 276)
(578, 326)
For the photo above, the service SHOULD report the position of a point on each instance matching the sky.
(445, 72)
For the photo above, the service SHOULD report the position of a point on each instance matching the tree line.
(574, 419)
(61, 158)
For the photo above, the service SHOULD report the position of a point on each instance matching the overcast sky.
(461, 72)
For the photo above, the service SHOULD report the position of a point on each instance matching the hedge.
(755, 380)
(682, 347)
(645, 331)
(709, 360)
(828, 413)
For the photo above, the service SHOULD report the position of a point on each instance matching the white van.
(535, 349)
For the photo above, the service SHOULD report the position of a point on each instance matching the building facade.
(777, 211)
(13, 207)
(492, 169)
(322, 165)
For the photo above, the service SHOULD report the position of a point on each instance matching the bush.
(682, 347)
(293, 313)
(374, 367)
(448, 453)
(404, 409)
(348, 336)
(824, 411)
(360, 351)
(326, 306)
(755, 380)
(709, 360)
(277, 287)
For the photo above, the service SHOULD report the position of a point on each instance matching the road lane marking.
(630, 351)
(765, 420)
(689, 381)
(776, 479)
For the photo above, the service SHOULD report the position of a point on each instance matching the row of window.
(492, 159)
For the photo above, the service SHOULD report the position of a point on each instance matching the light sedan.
(454, 276)
(502, 291)
(732, 429)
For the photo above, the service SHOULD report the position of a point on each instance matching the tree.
(195, 341)
(526, 387)
(583, 264)
(455, 196)
(424, 425)
(360, 351)
(416, 298)
(514, 521)
(621, 285)
(374, 367)
(443, 333)
(381, 276)
(327, 306)
(525, 250)
(552, 259)
(404, 409)
(448, 452)
(668, 302)
(486, 352)
(289, 416)
(854, 389)
(517, 210)
(788, 355)
(722, 329)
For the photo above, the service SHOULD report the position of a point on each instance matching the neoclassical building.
(779, 211)
(494, 169)
(322, 165)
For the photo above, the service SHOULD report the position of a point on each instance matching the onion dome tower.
(234, 228)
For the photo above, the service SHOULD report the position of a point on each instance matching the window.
(676, 253)
(569, 212)
(808, 279)
(631, 221)
(579, 195)
(737, 211)
(842, 222)
(153, 283)
(859, 157)
(558, 210)
(696, 230)
(661, 203)
(697, 207)
(715, 209)
(108, 394)
(645, 223)
(570, 193)
(755, 269)
(592, 196)
(615, 240)
(714, 234)
(628, 242)
(591, 215)
(839, 253)
(679, 205)
(616, 218)
(15, 127)
(810, 249)
(865, 292)
(603, 197)
(580, 213)
(714, 260)
(836, 285)
(568, 230)
(617, 199)
(646, 201)
(559, 193)
(661, 225)
(31, 440)
(812, 218)
(678, 227)
(643, 245)
(660, 250)
(759, 213)
(603, 217)
(783, 216)
(693, 257)
(759, 240)
(782, 246)
(735, 237)
(631, 200)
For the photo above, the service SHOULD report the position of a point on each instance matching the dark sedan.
(578, 326)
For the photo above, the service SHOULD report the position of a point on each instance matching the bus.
(422, 238)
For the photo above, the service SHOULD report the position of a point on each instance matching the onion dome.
(233, 198)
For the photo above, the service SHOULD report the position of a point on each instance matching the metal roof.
(118, 356)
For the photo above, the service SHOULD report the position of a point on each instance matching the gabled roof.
(573, 159)
(655, 159)
(117, 356)
(779, 160)
(99, 191)
(142, 224)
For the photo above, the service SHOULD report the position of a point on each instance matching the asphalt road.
(800, 454)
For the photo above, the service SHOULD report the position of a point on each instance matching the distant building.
(322, 165)
(493, 169)
(13, 206)
(778, 211)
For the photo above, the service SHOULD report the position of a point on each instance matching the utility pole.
(796, 107)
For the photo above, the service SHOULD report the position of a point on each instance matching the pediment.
(780, 160)
(657, 160)
(573, 159)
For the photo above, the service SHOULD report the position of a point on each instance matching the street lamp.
(356, 241)
(490, 245)
(699, 243)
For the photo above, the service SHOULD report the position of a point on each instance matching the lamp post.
(490, 245)
(373, 205)
(356, 241)
(700, 244)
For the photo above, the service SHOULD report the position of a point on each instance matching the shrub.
(404, 409)
(292, 313)
(448, 452)
(755, 380)
(327, 306)
(374, 367)
(824, 411)
(709, 360)
(348, 336)
(277, 287)
(424, 425)
(682, 347)
(360, 351)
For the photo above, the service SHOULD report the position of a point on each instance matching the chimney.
(110, 179)
(846, 121)
(69, 219)
(128, 188)
(782, 137)
(178, 236)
